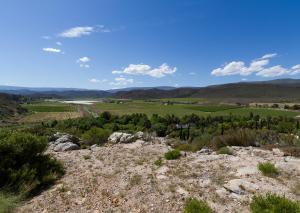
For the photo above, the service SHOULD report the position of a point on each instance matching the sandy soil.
(124, 178)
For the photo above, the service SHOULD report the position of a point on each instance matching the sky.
(105, 44)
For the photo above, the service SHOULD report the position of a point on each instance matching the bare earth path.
(124, 178)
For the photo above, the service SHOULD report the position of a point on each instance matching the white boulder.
(121, 137)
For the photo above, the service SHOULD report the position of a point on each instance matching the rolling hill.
(274, 90)
(10, 105)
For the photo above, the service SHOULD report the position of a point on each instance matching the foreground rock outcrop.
(61, 142)
(121, 137)
(123, 177)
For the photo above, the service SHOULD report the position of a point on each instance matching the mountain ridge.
(278, 89)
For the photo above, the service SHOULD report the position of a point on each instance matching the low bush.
(8, 203)
(242, 137)
(158, 162)
(268, 169)
(273, 204)
(173, 154)
(225, 150)
(96, 136)
(24, 168)
(196, 144)
(196, 206)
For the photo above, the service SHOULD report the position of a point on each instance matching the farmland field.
(181, 100)
(150, 108)
(47, 116)
(49, 107)
(55, 110)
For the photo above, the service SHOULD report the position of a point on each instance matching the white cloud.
(46, 37)
(116, 72)
(83, 60)
(58, 43)
(102, 29)
(268, 56)
(121, 81)
(84, 66)
(94, 80)
(273, 71)
(192, 73)
(80, 31)
(233, 68)
(51, 50)
(77, 32)
(257, 66)
(144, 69)
(295, 69)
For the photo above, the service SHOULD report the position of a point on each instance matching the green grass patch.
(196, 206)
(273, 204)
(268, 169)
(225, 150)
(158, 162)
(173, 154)
(8, 203)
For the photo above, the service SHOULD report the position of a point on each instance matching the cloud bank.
(144, 69)
(257, 67)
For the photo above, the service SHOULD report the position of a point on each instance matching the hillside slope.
(252, 91)
(9, 105)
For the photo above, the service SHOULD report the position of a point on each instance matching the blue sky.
(103, 44)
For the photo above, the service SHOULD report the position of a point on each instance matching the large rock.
(61, 142)
(240, 186)
(205, 151)
(68, 146)
(139, 135)
(121, 137)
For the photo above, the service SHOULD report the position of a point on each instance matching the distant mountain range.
(279, 90)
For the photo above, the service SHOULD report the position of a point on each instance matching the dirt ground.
(124, 178)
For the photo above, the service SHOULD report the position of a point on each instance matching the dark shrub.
(23, 166)
(196, 206)
(96, 136)
(160, 129)
(173, 154)
(273, 204)
(106, 115)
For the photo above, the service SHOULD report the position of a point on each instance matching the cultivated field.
(50, 107)
(44, 111)
(150, 108)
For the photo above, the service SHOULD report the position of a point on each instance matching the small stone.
(277, 152)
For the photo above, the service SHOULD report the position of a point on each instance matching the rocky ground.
(123, 178)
